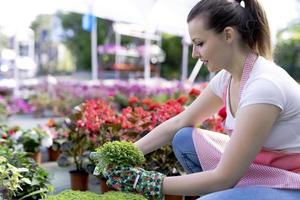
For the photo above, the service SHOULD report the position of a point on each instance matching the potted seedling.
(115, 154)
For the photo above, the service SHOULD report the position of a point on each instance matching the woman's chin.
(213, 68)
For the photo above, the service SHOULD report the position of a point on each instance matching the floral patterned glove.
(130, 179)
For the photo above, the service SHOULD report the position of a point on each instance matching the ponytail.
(249, 19)
(261, 33)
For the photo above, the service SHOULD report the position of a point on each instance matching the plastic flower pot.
(79, 180)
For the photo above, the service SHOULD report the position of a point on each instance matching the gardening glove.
(130, 179)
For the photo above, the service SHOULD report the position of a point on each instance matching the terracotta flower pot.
(37, 156)
(103, 187)
(53, 154)
(79, 180)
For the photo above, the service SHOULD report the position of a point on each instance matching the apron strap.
(247, 68)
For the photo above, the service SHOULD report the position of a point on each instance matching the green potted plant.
(117, 153)
(75, 150)
(112, 154)
(34, 180)
(59, 134)
(32, 140)
(10, 179)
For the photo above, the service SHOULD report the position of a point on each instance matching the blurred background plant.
(33, 180)
(287, 49)
(33, 139)
(10, 179)
(7, 136)
(58, 132)
(4, 109)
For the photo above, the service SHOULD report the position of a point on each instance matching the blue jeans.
(184, 150)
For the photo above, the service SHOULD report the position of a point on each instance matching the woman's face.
(208, 46)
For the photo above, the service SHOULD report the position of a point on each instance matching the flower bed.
(56, 97)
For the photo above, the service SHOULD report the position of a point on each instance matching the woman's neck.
(237, 64)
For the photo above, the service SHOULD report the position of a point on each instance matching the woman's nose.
(195, 53)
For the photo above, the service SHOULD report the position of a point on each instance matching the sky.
(18, 14)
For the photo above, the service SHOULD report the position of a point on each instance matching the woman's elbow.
(182, 120)
(226, 181)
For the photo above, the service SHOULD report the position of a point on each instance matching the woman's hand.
(130, 179)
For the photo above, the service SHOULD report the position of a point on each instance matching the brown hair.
(250, 21)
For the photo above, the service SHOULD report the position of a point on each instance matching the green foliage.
(35, 181)
(162, 160)
(10, 177)
(116, 153)
(171, 68)
(287, 51)
(32, 139)
(173, 48)
(78, 40)
(43, 32)
(79, 195)
(76, 144)
(121, 196)
(74, 195)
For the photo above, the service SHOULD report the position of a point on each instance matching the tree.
(78, 40)
(287, 50)
(46, 48)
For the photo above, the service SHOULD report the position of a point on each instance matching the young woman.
(259, 157)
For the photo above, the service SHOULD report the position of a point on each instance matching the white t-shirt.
(268, 84)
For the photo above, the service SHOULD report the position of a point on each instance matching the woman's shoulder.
(222, 75)
(269, 70)
(218, 83)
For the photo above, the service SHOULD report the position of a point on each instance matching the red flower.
(222, 113)
(182, 99)
(133, 100)
(168, 110)
(4, 136)
(11, 132)
(194, 92)
(96, 113)
(149, 104)
(214, 123)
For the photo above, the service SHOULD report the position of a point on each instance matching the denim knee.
(183, 136)
(184, 150)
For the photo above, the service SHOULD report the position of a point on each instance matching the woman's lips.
(204, 62)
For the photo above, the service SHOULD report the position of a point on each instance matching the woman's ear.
(229, 34)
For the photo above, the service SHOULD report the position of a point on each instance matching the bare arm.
(253, 125)
(204, 106)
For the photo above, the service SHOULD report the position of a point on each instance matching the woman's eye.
(199, 44)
